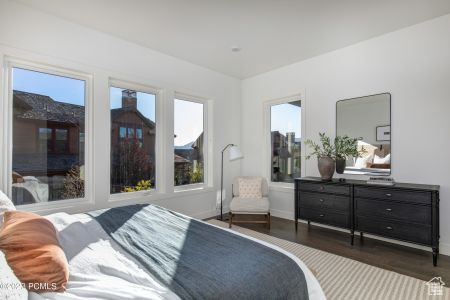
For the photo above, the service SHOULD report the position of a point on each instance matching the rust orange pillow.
(32, 250)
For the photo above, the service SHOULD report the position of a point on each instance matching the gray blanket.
(199, 261)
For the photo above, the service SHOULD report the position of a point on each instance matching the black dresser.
(407, 212)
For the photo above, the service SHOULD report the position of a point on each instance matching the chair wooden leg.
(231, 220)
(268, 220)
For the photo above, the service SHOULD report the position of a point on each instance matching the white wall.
(28, 34)
(413, 64)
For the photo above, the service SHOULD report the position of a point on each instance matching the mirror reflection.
(369, 120)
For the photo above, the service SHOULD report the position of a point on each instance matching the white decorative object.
(361, 162)
(382, 160)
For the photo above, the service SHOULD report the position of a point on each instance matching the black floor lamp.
(235, 154)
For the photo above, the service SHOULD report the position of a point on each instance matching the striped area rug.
(344, 278)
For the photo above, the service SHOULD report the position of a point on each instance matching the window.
(188, 142)
(285, 133)
(53, 140)
(133, 133)
(48, 120)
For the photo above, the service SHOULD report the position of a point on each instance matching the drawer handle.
(321, 200)
(321, 188)
(388, 209)
(321, 215)
(389, 195)
(389, 228)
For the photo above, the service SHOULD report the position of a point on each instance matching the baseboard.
(444, 248)
(282, 214)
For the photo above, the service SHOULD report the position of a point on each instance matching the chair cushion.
(264, 185)
(249, 205)
(250, 187)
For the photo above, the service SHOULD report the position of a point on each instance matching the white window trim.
(267, 155)
(159, 151)
(207, 145)
(10, 63)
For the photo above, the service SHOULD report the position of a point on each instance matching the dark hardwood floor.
(401, 259)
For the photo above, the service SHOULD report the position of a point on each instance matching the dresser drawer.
(393, 210)
(327, 201)
(324, 188)
(393, 194)
(325, 216)
(404, 231)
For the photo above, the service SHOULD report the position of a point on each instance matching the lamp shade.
(235, 153)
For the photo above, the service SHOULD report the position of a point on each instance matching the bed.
(148, 252)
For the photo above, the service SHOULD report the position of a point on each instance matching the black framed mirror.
(368, 119)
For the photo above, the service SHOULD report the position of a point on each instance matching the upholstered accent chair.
(250, 197)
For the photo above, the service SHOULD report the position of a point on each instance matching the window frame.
(207, 144)
(281, 186)
(11, 63)
(159, 176)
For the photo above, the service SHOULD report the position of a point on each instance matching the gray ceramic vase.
(327, 165)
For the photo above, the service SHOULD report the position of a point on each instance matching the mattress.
(101, 269)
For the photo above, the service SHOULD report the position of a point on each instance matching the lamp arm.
(226, 147)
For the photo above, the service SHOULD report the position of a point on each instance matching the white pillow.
(250, 188)
(12, 288)
(382, 160)
(361, 162)
(5, 205)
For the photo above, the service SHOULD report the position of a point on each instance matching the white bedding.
(101, 269)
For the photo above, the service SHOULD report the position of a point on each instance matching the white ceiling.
(271, 33)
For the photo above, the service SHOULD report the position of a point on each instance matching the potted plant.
(345, 147)
(325, 154)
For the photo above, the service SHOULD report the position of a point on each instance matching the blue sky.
(188, 125)
(286, 118)
(59, 88)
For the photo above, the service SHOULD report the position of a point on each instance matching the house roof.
(116, 112)
(40, 107)
(178, 159)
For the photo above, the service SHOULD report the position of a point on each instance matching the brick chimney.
(129, 99)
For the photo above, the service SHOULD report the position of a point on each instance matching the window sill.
(56, 206)
(189, 187)
(131, 195)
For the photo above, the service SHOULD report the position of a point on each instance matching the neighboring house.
(188, 158)
(48, 140)
(286, 156)
(46, 135)
(132, 144)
